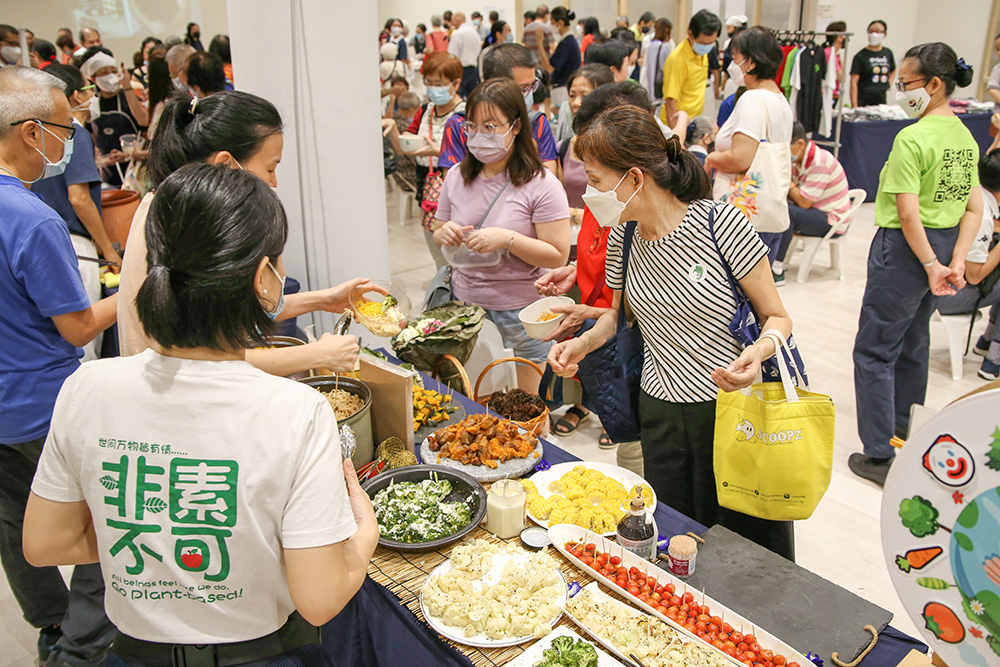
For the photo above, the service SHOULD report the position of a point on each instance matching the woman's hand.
(389, 127)
(741, 373)
(334, 299)
(557, 281)
(361, 503)
(575, 316)
(957, 278)
(938, 277)
(488, 239)
(430, 149)
(565, 357)
(336, 353)
(453, 234)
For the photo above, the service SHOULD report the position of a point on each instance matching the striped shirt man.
(823, 182)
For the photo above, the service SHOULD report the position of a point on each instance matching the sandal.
(565, 426)
(604, 442)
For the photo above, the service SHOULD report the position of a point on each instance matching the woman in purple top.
(502, 218)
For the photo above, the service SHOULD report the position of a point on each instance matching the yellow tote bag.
(773, 447)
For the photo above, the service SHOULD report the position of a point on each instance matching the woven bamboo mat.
(403, 574)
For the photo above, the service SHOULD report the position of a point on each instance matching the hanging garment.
(811, 71)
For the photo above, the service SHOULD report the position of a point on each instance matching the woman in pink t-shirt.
(502, 218)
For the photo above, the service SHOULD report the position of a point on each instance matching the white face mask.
(109, 83)
(875, 38)
(95, 107)
(605, 206)
(914, 102)
(735, 73)
(11, 54)
(395, 31)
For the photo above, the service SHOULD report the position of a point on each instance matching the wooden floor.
(841, 541)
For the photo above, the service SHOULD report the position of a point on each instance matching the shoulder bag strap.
(626, 251)
(490, 208)
(596, 292)
(430, 133)
(733, 284)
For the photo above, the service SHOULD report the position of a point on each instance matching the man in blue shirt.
(75, 194)
(508, 61)
(46, 318)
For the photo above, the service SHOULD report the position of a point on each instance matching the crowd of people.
(572, 162)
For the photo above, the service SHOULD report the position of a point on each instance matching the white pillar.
(317, 63)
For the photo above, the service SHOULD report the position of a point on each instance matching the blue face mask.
(510, 38)
(702, 49)
(439, 95)
(273, 314)
(53, 168)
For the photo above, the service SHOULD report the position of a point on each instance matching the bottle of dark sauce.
(636, 531)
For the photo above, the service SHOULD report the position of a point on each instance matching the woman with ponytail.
(927, 211)
(243, 132)
(229, 500)
(676, 289)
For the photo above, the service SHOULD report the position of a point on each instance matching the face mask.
(195, 35)
(11, 54)
(645, 30)
(95, 107)
(605, 206)
(109, 83)
(439, 95)
(914, 102)
(735, 73)
(875, 38)
(395, 31)
(53, 168)
(273, 314)
(476, 22)
(529, 100)
(702, 49)
(85, 105)
(579, 31)
(510, 38)
(488, 148)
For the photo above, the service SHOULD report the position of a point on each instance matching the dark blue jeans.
(891, 348)
(804, 221)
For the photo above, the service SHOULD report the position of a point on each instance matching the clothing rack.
(845, 88)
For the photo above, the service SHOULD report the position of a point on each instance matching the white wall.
(123, 27)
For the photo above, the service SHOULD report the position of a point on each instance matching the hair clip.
(962, 65)
(194, 106)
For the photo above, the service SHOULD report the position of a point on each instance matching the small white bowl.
(410, 142)
(529, 316)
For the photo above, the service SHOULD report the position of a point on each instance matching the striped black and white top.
(678, 291)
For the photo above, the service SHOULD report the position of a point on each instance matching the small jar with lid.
(682, 554)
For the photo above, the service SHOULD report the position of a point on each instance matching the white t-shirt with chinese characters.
(197, 475)
(980, 249)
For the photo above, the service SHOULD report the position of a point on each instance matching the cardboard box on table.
(392, 399)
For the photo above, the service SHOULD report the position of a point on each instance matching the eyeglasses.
(10, 41)
(429, 83)
(901, 85)
(532, 87)
(486, 128)
(70, 128)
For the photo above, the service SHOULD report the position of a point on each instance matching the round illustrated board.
(628, 479)
(508, 469)
(941, 530)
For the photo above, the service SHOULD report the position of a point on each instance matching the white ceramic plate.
(534, 652)
(491, 577)
(628, 479)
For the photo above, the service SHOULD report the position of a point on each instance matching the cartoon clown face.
(949, 462)
(744, 431)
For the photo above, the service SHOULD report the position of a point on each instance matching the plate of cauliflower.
(591, 495)
(490, 595)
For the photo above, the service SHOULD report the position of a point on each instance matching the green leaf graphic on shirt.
(154, 505)
(109, 482)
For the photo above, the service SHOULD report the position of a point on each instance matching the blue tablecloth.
(375, 629)
(865, 147)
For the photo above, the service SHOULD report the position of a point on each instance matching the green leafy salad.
(568, 652)
(416, 511)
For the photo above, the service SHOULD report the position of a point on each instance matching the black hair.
(137, 60)
(503, 95)
(596, 73)
(205, 70)
(6, 29)
(150, 39)
(612, 53)
(937, 59)
(615, 94)
(530, 15)
(70, 76)
(647, 17)
(207, 231)
(160, 85)
(502, 60)
(560, 13)
(704, 23)
(189, 26)
(421, 26)
(475, 15)
(494, 15)
(798, 131)
(495, 29)
(989, 170)
(591, 26)
(836, 26)
(388, 24)
(626, 37)
(45, 50)
(231, 121)
(884, 26)
(760, 45)
(220, 47)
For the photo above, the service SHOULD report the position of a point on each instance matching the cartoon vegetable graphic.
(933, 583)
(943, 622)
(917, 559)
(920, 516)
(993, 457)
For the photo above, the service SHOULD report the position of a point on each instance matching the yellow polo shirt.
(684, 76)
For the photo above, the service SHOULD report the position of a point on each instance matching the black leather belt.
(294, 633)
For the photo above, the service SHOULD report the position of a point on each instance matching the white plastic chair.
(958, 331)
(489, 347)
(811, 244)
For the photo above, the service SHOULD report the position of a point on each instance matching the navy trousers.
(891, 348)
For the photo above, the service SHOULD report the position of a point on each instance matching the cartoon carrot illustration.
(917, 559)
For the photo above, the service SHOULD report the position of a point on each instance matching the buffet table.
(382, 625)
(865, 146)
